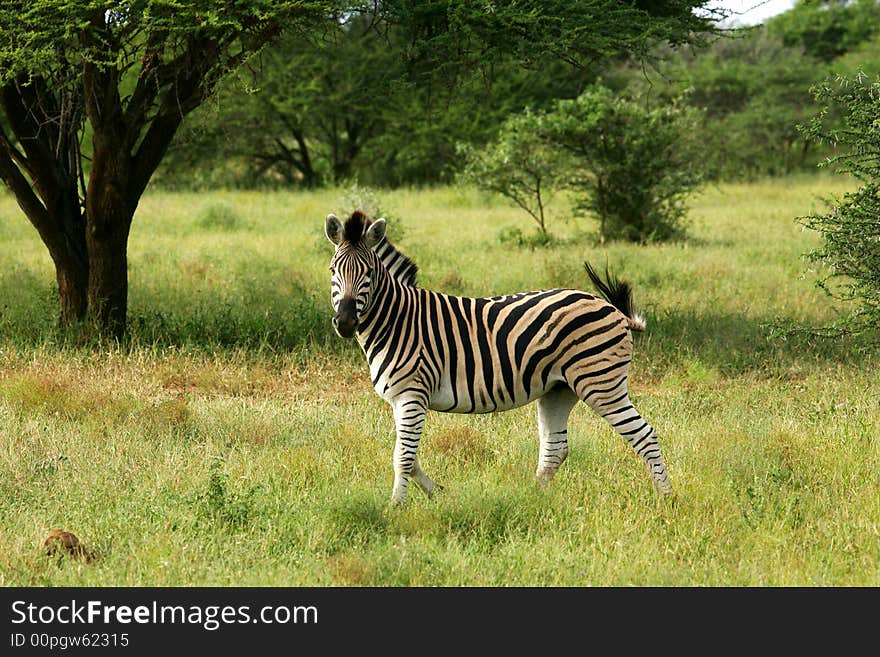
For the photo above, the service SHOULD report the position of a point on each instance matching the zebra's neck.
(398, 265)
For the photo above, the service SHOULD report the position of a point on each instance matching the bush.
(850, 248)
(511, 236)
(520, 165)
(220, 217)
(633, 166)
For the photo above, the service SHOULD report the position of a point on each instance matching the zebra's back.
(479, 355)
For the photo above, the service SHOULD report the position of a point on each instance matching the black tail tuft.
(618, 293)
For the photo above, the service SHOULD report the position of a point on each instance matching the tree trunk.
(343, 161)
(108, 272)
(73, 279)
(39, 162)
(70, 255)
(540, 205)
(109, 212)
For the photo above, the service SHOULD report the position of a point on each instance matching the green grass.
(232, 439)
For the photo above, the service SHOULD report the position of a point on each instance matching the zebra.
(432, 351)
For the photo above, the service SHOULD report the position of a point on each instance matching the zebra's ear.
(374, 233)
(333, 229)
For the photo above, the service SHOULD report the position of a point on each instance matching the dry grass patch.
(463, 444)
(450, 283)
(350, 569)
(63, 396)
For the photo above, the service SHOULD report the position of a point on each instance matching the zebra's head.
(352, 268)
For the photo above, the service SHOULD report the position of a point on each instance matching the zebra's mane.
(397, 264)
(355, 227)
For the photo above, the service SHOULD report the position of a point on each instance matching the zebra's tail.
(618, 293)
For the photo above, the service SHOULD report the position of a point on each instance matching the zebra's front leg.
(409, 419)
(553, 411)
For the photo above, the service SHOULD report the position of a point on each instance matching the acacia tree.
(307, 118)
(850, 229)
(92, 94)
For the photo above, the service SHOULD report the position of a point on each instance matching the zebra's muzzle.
(345, 320)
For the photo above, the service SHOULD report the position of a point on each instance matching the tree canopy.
(385, 97)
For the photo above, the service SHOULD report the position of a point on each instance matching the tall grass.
(232, 439)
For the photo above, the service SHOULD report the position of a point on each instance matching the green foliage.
(139, 44)
(864, 59)
(850, 249)
(753, 91)
(474, 64)
(827, 29)
(751, 126)
(633, 165)
(512, 236)
(519, 164)
(305, 115)
(353, 105)
(384, 98)
(754, 86)
(580, 32)
(218, 503)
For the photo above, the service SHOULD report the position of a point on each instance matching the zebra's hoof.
(543, 478)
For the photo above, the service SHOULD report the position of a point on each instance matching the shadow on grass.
(355, 522)
(249, 315)
(252, 315)
(733, 345)
(479, 521)
(28, 305)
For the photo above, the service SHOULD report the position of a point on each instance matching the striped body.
(428, 350)
(479, 355)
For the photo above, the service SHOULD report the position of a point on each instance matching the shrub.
(220, 217)
(512, 236)
(632, 166)
(519, 164)
(850, 230)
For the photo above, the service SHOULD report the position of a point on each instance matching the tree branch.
(178, 99)
(101, 82)
(16, 155)
(28, 201)
(20, 101)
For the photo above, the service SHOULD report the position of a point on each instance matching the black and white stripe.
(428, 350)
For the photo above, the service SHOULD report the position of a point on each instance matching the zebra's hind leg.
(424, 481)
(614, 405)
(553, 411)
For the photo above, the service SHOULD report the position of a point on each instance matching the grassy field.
(234, 440)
